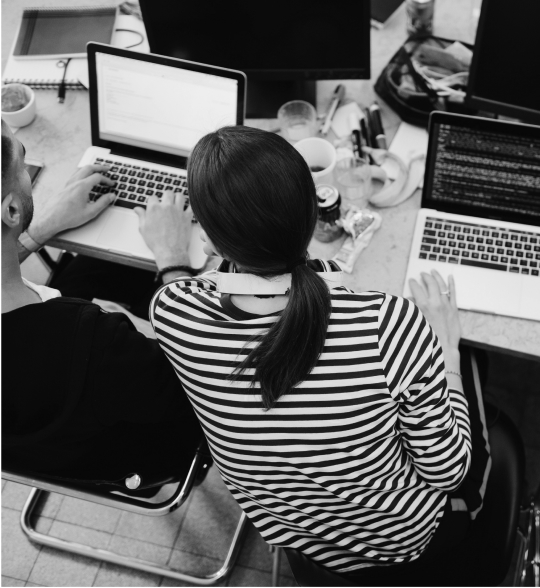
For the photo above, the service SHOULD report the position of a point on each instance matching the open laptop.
(480, 215)
(147, 113)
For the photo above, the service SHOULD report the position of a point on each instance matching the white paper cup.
(321, 157)
(24, 116)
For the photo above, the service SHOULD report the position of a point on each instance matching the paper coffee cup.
(25, 115)
(321, 157)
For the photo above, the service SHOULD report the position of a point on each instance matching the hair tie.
(299, 261)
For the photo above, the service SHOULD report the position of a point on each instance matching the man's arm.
(68, 209)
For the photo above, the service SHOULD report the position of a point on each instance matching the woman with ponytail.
(327, 412)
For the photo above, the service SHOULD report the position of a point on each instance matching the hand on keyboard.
(437, 301)
(135, 183)
(72, 207)
(166, 228)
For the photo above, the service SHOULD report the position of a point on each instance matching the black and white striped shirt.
(353, 466)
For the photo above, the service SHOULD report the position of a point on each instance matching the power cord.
(132, 31)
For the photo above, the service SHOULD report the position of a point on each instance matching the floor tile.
(88, 514)
(49, 504)
(140, 549)
(54, 568)
(242, 576)
(190, 563)
(112, 575)
(14, 495)
(7, 581)
(41, 525)
(18, 554)
(210, 522)
(33, 584)
(287, 581)
(158, 530)
(255, 553)
(77, 534)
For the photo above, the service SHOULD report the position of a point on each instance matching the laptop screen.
(483, 167)
(159, 107)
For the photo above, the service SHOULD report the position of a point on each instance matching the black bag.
(414, 100)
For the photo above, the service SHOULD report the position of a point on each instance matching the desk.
(61, 133)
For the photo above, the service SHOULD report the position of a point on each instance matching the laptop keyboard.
(481, 246)
(135, 183)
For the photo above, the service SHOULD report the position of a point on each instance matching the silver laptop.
(480, 214)
(147, 113)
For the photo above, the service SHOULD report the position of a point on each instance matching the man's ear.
(11, 211)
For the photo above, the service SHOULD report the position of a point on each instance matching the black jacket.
(85, 395)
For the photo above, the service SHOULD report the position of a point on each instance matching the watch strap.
(28, 243)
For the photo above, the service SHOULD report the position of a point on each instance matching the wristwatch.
(174, 268)
(28, 243)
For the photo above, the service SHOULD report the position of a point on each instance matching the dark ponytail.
(289, 351)
(254, 195)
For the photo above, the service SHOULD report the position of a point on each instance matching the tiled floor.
(193, 539)
(196, 536)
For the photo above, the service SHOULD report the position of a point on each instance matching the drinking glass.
(354, 182)
(297, 120)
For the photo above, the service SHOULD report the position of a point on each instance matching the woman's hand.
(438, 303)
(166, 228)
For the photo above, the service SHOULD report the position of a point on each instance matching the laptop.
(480, 215)
(147, 113)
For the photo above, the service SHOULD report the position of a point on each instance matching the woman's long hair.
(254, 195)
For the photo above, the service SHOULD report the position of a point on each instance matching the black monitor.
(283, 46)
(504, 76)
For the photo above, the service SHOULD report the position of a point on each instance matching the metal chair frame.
(132, 504)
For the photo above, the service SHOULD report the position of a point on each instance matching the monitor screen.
(159, 107)
(281, 40)
(504, 71)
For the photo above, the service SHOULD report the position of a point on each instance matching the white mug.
(24, 116)
(321, 157)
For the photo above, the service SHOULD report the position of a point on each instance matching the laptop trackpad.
(121, 233)
(488, 290)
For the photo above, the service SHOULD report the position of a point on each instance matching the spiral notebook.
(46, 74)
(47, 36)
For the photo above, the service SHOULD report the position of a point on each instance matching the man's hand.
(71, 207)
(441, 311)
(166, 228)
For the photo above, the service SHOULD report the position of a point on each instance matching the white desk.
(61, 132)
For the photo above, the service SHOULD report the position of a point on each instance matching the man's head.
(17, 204)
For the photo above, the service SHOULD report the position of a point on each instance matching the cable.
(132, 31)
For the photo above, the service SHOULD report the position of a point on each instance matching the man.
(84, 395)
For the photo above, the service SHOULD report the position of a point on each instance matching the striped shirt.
(354, 465)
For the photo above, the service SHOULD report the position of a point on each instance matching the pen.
(62, 86)
(356, 136)
(364, 129)
(337, 96)
(376, 126)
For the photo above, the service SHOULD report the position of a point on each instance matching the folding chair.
(107, 497)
